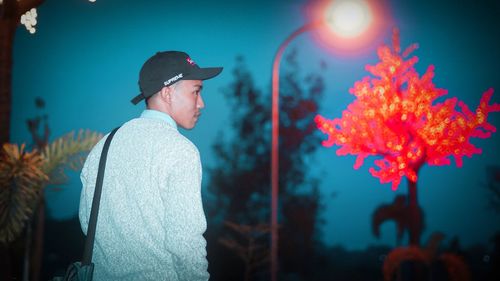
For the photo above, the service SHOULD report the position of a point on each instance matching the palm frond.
(21, 180)
(68, 152)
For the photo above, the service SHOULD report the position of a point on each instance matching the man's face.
(186, 103)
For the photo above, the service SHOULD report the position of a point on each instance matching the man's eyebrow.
(199, 87)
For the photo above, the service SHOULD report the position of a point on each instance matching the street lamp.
(348, 19)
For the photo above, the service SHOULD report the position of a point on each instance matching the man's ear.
(166, 94)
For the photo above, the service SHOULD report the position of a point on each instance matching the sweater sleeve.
(88, 178)
(87, 192)
(84, 207)
(185, 220)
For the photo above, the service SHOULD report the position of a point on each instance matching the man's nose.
(201, 103)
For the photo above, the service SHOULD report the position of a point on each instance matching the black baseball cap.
(166, 68)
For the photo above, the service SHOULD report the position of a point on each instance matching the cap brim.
(137, 99)
(203, 73)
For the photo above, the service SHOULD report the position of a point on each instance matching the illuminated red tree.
(395, 116)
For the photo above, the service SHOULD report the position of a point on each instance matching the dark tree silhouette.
(240, 181)
(493, 186)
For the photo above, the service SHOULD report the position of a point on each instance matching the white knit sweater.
(151, 220)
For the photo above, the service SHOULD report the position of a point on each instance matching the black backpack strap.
(89, 241)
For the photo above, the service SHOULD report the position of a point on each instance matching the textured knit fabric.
(151, 220)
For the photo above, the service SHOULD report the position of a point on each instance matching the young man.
(151, 220)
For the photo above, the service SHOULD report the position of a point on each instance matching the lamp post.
(348, 18)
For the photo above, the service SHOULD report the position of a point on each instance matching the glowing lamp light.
(349, 18)
(349, 28)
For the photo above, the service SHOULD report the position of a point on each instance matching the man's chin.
(189, 127)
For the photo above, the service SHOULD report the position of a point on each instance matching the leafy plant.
(21, 178)
(455, 266)
(69, 151)
(253, 253)
(24, 175)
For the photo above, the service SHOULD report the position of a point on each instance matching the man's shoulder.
(158, 132)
